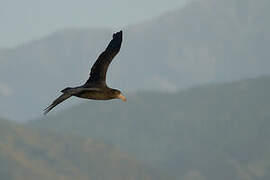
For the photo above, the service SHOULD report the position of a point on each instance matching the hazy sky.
(22, 21)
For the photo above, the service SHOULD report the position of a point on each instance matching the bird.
(95, 87)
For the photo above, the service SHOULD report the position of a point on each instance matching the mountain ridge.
(222, 125)
(28, 153)
(205, 41)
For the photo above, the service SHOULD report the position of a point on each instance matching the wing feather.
(100, 67)
(57, 101)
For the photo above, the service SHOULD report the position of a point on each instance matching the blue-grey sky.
(21, 21)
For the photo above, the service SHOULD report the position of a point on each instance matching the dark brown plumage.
(96, 87)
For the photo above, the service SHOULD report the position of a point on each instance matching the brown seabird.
(96, 87)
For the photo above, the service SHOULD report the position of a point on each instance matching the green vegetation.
(215, 131)
(28, 154)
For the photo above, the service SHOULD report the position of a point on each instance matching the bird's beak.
(122, 97)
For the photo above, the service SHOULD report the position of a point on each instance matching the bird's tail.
(57, 101)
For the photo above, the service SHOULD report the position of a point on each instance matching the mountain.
(28, 154)
(205, 41)
(215, 131)
(34, 20)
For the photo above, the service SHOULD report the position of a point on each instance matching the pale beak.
(122, 97)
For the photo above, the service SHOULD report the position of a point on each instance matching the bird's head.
(118, 95)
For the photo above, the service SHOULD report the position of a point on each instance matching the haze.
(22, 21)
(196, 77)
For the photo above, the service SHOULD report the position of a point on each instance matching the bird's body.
(99, 94)
(95, 92)
(96, 88)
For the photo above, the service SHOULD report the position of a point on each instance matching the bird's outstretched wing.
(56, 102)
(99, 69)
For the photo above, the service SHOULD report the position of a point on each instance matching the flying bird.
(95, 87)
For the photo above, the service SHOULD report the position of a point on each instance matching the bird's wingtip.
(45, 111)
(117, 34)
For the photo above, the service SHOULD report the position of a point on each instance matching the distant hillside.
(216, 131)
(27, 154)
(95, 13)
(206, 41)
